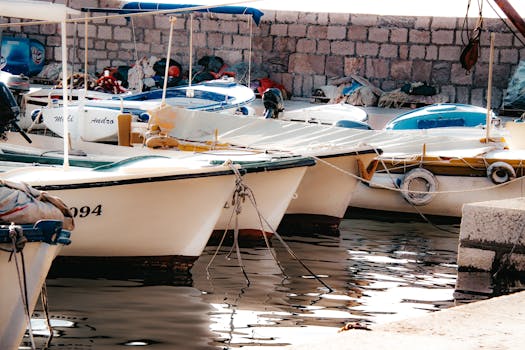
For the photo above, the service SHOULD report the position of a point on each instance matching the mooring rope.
(18, 241)
(375, 184)
(243, 191)
(45, 307)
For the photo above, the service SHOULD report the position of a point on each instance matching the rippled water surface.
(378, 272)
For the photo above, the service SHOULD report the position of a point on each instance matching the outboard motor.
(9, 112)
(273, 103)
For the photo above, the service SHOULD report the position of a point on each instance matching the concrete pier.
(491, 245)
(495, 323)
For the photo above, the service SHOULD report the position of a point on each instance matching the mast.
(512, 15)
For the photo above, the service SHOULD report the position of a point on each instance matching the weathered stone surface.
(334, 66)
(357, 33)
(307, 17)
(317, 32)
(449, 53)
(104, 32)
(324, 47)
(417, 52)
(441, 73)
(515, 262)
(477, 282)
(342, 48)
(403, 52)
(286, 16)
(336, 32)
(401, 70)
(364, 20)
(339, 18)
(398, 35)
(443, 37)
(396, 22)
(297, 30)
(377, 68)
(389, 51)
(500, 222)
(458, 75)
(378, 35)
(443, 23)
(122, 34)
(421, 70)
(279, 29)
(472, 258)
(305, 45)
(419, 36)
(367, 49)
(305, 63)
(354, 65)
(369, 45)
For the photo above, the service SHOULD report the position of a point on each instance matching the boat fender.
(422, 176)
(144, 117)
(500, 172)
(36, 116)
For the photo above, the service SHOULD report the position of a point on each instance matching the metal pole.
(489, 87)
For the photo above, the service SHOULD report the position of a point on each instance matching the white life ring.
(500, 172)
(427, 186)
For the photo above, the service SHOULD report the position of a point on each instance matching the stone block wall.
(491, 250)
(303, 50)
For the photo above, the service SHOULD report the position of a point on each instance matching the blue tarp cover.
(234, 10)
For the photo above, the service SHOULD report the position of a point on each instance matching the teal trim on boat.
(439, 116)
(20, 157)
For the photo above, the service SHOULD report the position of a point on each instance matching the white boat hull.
(38, 257)
(94, 118)
(326, 114)
(327, 187)
(144, 213)
(273, 182)
(272, 191)
(453, 192)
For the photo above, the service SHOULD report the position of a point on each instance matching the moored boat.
(44, 241)
(440, 116)
(90, 120)
(441, 182)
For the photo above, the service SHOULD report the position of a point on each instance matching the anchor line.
(397, 188)
(243, 191)
(18, 241)
(45, 307)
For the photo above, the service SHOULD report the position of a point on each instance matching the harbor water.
(372, 272)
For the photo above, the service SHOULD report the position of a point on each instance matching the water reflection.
(379, 272)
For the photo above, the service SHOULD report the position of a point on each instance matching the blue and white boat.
(440, 116)
(95, 119)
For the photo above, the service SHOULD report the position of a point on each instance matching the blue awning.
(234, 10)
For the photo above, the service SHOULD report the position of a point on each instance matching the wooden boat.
(44, 240)
(441, 181)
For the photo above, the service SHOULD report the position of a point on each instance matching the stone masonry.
(302, 50)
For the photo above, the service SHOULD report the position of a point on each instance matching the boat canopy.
(36, 10)
(160, 6)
